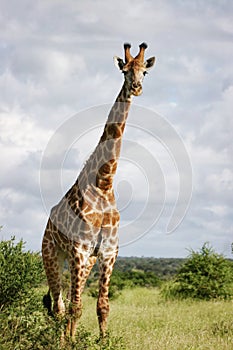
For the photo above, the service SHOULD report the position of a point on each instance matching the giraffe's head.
(134, 68)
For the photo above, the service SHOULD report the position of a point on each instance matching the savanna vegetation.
(155, 303)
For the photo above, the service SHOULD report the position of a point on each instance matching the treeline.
(203, 274)
(163, 268)
(130, 272)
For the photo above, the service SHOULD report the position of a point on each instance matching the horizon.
(57, 76)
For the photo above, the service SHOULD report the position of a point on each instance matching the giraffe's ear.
(119, 63)
(149, 63)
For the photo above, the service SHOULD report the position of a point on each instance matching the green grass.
(145, 321)
(139, 319)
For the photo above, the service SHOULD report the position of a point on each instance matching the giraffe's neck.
(102, 164)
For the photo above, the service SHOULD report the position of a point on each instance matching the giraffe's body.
(83, 225)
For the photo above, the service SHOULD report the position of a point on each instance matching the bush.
(126, 279)
(19, 272)
(28, 327)
(135, 278)
(24, 324)
(205, 275)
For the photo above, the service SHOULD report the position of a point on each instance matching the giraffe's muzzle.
(136, 88)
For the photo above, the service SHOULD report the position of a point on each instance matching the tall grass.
(145, 321)
(139, 319)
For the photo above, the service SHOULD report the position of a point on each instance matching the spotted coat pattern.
(83, 225)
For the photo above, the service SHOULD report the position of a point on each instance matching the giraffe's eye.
(145, 72)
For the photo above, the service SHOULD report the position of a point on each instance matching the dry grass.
(139, 319)
(144, 321)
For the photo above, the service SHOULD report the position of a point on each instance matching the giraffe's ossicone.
(83, 225)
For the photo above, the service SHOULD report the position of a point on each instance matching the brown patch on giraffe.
(105, 269)
(104, 184)
(92, 220)
(77, 260)
(115, 218)
(112, 260)
(114, 231)
(63, 246)
(46, 251)
(85, 246)
(107, 219)
(72, 264)
(105, 168)
(113, 241)
(104, 290)
(104, 280)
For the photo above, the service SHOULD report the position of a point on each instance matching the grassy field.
(139, 319)
(144, 321)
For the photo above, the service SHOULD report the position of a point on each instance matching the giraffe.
(83, 225)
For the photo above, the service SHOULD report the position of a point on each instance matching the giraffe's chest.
(98, 211)
(91, 219)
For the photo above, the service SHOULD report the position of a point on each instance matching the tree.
(19, 272)
(204, 275)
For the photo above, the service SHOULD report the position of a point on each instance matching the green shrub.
(24, 323)
(204, 275)
(19, 272)
(28, 327)
(126, 279)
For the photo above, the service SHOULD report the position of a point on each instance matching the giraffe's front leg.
(77, 269)
(106, 268)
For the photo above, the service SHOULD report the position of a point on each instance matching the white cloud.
(218, 210)
(221, 182)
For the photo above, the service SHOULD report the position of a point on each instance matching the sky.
(174, 183)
